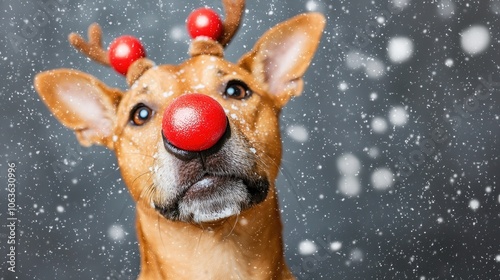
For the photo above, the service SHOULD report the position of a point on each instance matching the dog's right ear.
(80, 102)
(281, 56)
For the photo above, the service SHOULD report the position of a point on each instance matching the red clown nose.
(194, 122)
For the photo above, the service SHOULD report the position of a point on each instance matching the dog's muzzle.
(216, 171)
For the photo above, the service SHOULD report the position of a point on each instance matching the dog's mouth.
(214, 197)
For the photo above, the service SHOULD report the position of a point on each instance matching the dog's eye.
(237, 90)
(140, 114)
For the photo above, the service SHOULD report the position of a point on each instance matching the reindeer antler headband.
(127, 55)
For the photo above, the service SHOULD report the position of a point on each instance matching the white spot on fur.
(164, 177)
(168, 93)
(203, 216)
(200, 86)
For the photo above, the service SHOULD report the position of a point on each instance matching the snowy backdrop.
(390, 167)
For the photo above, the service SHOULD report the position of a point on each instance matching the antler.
(93, 48)
(234, 11)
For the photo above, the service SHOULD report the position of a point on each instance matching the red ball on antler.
(205, 22)
(123, 51)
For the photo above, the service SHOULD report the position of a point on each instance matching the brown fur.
(244, 246)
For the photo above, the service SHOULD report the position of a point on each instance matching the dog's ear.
(281, 56)
(80, 102)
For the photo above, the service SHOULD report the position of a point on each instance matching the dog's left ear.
(80, 102)
(281, 56)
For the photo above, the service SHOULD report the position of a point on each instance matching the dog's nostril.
(194, 122)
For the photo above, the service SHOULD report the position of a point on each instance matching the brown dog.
(208, 214)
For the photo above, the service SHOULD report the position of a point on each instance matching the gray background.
(77, 222)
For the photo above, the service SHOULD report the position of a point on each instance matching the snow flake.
(474, 204)
(475, 39)
(379, 125)
(335, 246)
(297, 132)
(400, 49)
(349, 186)
(307, 247)
(116, 232)
(348, 164)
(398, 116)
(382, 178)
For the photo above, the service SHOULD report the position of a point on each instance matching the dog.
(206, 205)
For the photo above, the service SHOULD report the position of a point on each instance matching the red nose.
(194, 122)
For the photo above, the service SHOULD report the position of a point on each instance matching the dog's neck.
(247, 246)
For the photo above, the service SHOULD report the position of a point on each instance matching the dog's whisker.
(265, 160)
(200, 236)
(234, 226)
(159, 233)
(290, 180)
(142, 174)
(122, 210)
(140, 154)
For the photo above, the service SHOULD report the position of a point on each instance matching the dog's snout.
(194, 123)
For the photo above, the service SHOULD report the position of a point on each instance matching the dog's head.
(198, 141)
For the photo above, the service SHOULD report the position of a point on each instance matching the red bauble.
(194, 122)
(204, 22)
(123, 51)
